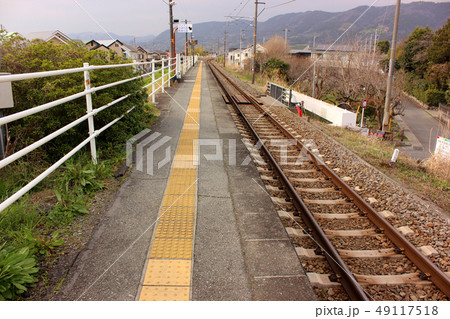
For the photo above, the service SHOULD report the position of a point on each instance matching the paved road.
(421, 129)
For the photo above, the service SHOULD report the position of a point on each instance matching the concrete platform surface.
(240, 249)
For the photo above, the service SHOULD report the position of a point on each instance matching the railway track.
(341, 240)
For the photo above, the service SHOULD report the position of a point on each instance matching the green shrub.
(19, 56)
(17, 267)
(84, 175)
(43, 245)
(276, 67)
(434, 97)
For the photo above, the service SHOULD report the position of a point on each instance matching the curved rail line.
(429, 270)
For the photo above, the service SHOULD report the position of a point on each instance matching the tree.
(439, 51)
(198, 50)
(438, 55)
(275, 67)
(384, 46)
(414, 57)
(276, 47)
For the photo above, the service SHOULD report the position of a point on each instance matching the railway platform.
(193, 220)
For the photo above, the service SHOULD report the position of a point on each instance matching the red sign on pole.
(364, 104)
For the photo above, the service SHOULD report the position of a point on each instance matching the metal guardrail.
(170, 68)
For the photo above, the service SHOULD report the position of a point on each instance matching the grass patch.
(37, 226)
(260, 80)
(424, 180)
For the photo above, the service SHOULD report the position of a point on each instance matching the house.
(153, 55)
(143, 55)
(164, 55)
(94, 45)
(332, 52)
(113, 45)
(301, 51)
(137, 54)
(56, 37)
(238, 57)
(130, 52)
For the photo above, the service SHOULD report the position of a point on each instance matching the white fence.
(332, 113)
(170, 68)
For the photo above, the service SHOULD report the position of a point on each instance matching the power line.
(235, 9)
(92, 18)
(281, 4)
(243, 7)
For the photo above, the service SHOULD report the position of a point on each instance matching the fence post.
(6, 101)
(87, 86)
(178, 67)
(170, 69)
(162, 75)
(153, 81)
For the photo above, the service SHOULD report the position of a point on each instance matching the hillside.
(129, 39)
(326, 26)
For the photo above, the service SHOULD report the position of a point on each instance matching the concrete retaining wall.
(332, 113)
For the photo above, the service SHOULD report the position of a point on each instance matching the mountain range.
(302, 27)
(129, 39)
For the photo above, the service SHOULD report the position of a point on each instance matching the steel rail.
(347, 280)
(429, 270)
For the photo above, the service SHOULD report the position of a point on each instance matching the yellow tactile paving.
(179, 200)
(183, 174)
(186, 150)
(150, 293)
(189, 181)
(171, 248)
(175, 229)
(163, 272)
(186, 142)
(177, 213)
(189, 157)
(184, 164)
(168, 273)
(179, 189)
(190, 126)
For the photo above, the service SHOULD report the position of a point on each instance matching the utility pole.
(254, 42)
(171, 28)
(218, 50)
(224, 46)
(240, 48)
(387, 105)
(192, 48)
(314, 71)
(285, 37)
(375, 41)
(314, 79)
(185, 22)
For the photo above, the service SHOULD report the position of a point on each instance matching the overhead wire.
(281, 4)
(92, 18)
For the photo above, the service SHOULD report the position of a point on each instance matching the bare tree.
(276, 47)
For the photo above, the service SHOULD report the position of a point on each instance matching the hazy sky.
(143, 17)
